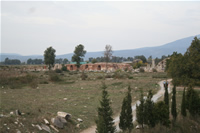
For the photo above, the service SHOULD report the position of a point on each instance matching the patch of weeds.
(108, 76)
(130, 77)
(58, 71)
(141, 70)
(54, 77)
(164, 75)
(84, 76)
(117, 83)
(100, 77)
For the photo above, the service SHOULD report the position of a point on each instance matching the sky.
(28, 28)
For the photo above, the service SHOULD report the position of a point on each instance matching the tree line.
(79, 53)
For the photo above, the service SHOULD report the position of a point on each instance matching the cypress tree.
(122, 118)
(105, 122)
(173, 106)
(129, 116)
(126, 117)
(166, 95)
(183, 105)
(140, 111)
(149, 111)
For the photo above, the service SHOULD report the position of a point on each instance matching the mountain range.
(179, 46)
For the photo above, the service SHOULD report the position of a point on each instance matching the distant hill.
(179, 46)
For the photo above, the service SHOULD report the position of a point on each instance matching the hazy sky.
(28, 28)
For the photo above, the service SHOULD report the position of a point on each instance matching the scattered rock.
(22, 113)
(38, 126)
(54, 128)
(17, 112)
(80, 120)
(78, 125)
(18, 131)
(22, 124)
(11, 113)
(85, 106)
(8, 128)
(5, 124)
(58, 121)
(65, 115)
(65, 99)
(16, 123)
(33, 125)
(1, 115)
(46, 128)
(46, 121)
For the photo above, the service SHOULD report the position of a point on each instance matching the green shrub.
(142, 70)
(154, 70)
(83, 76)
(64, 68)
(108, 76)
(99, 77)
(58, 71)
(54, 77)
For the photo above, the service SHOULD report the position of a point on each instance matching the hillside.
(179, 46)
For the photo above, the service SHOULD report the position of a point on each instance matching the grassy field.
(41, 95)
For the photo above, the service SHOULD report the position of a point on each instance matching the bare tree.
(108, 54)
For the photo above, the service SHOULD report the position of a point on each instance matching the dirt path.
(159, 94)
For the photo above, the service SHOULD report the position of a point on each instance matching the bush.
(108, 76)
(142, 70)
(130, 77)
(154, 70)
(64, 68)
(54, 77)
(100, 77)
(83, 76)
(58, 71)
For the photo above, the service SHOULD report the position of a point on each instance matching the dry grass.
(82, 98)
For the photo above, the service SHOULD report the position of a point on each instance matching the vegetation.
(140, 116)
(34, 61)
(183, 105)
(185, 69)
(193, 102)
(126, 117)
(105, 122)
(49, 57)
(166, 95)
(149, 111)
(173, 105)
(78, 53)
(12, 61)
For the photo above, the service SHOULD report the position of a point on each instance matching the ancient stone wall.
(99, 67)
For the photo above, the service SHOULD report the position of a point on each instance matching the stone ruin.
(160, 67)
(110, 67)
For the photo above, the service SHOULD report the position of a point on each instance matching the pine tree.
(105, 122)
(173, 108)
(183, 105)
(126, 117)
(149, 111)
(140, 111)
